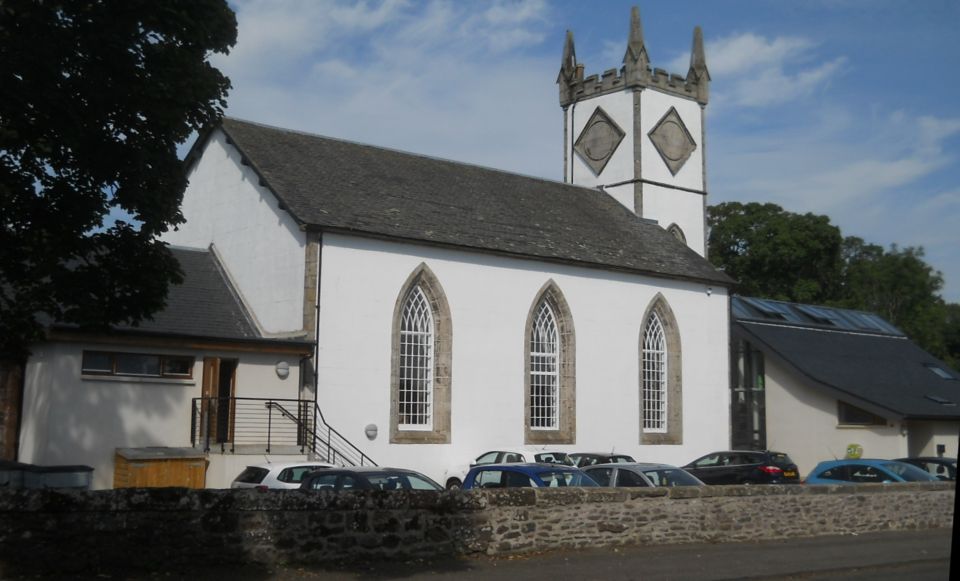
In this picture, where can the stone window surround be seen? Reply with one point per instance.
(674, 433)
(567, 430)
(423, 277)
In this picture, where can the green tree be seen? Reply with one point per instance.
(898, 285)
(774, 253)
(97, 95)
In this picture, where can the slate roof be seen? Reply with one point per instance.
(204, 305)
(336, 185)
(882, 368)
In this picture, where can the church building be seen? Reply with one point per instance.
(409, 311)
(457, 308)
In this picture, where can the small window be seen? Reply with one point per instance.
(137, 364)
(849, 415)
(177, 366)
(97, 362)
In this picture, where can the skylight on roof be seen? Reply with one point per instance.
(820, 315)
(941, 372)
(773, 309)
(940, 400)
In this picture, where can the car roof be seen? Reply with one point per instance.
(528, 467)
(283, 465)
(521, 451)
(599, 454)
(843, 461)
(639, 465)
(370, 469)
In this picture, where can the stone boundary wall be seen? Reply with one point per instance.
(48, 531)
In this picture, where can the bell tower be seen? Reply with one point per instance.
(638, 134)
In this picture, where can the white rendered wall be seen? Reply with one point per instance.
(489, 299)
(653, 106)
(925, 435)
(666, 205)
(619, 106)
(261, 245)
(684, 209)
(802, 421)
(69, 418)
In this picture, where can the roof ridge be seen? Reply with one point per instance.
(424, 156)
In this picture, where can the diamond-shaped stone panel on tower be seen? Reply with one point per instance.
(672, 140)
(598, 140)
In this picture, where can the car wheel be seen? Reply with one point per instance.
(454, 484)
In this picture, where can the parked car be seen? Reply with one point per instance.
(368, 478)
(640, 474)
(867, 470)
(453, 478)
(942, 468)
(581, 459)
(276, 475)
(744, 467)
(525, 475)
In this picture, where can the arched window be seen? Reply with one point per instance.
(654, 373)
(550, 382)
(421, 377)
(544, 370)
(661, 390)
(416, 363)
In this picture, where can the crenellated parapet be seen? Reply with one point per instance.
(635, 72)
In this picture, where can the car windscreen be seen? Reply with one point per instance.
(671, 477)
(909, 472)
(557, 478)
(252, 475)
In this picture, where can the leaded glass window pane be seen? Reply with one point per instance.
(544, 370)
(654, 373)
(416, 363)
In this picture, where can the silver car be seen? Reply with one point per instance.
(641, 474)
(276, 475)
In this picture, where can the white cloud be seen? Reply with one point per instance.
(754, 71)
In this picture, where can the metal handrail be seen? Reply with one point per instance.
(251, 422)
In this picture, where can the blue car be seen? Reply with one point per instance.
(527, 475)
(864, 470)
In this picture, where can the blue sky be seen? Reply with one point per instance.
(840, 107)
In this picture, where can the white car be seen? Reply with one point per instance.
(453, 478)
(276, 475)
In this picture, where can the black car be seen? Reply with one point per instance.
(745, 467)
(942, 468)
(367, 478)
(581, 459)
